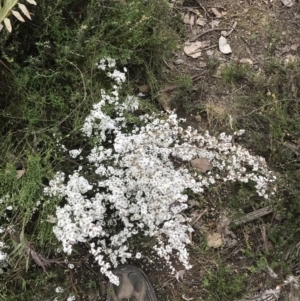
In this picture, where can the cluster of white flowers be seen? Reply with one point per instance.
(4, 261)
(75, 152)
(136, 190)
(59, 290)
(70, 298)
(105, 63)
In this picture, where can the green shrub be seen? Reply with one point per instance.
(48, 83)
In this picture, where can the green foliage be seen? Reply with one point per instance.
(55, 69)
(235, 72)
(8, 7)
(223, 283)
(268, 109)
(48, 83)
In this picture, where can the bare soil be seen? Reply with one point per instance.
(264, 30)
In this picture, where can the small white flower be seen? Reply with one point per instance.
(75, 153)
(59, 290)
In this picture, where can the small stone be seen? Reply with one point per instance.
(209, 52)
(193, 203)
(198, 118)
(246, 61)
(289, 59)
(294, 47)
(179, 62)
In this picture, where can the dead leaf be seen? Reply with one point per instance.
(179, 62)
(20, 173)
(288, 3)
(289, 59)
(179, 275)
(224, 46)
(214, 240)
(192, 20)
(189, 19)
(232, 28)
(186, 298)
(186, 18)
(223, 224)
(195, 11)
(246, 61)
(200, 22)
(193, 203)
(294, 47)
(216, 13)
(194, 49)
(230, 242)
(209, 52)
(272, 273)
(165, 101)
(196, 215)
(1, 26)
(202, 164)
(215, 23)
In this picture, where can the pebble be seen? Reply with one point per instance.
(179, 62)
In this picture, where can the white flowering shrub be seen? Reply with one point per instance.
(128, 186)
(4, 262)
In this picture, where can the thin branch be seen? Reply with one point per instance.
(84, 97)
(253, 215)
(194, 38)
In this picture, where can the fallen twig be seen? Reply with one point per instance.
(205, 32)
(253, 215)
(28, 249)
(199, 216)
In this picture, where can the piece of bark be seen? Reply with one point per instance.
(253, 215)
